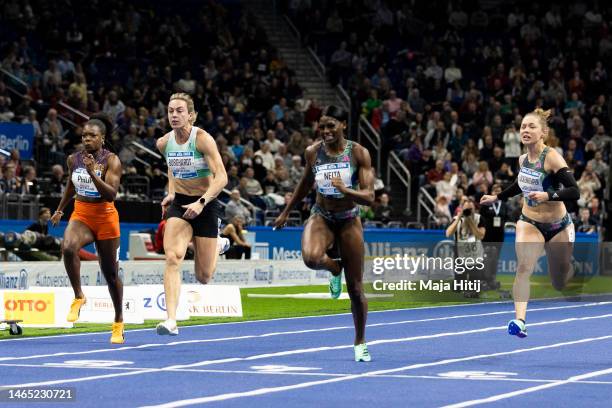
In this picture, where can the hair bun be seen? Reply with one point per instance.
(544, 114)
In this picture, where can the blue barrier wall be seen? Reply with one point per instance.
(286, 243)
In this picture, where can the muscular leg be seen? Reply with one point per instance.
(206, 255)
(107, 253)
(529, 246)
(559, 253)
(316, 238)
(177, 236)
(76, 236)
(351, 247)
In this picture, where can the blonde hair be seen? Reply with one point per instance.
(542, 115)
(193, 115)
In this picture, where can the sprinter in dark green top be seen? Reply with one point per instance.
(337, 166)
(545, 182)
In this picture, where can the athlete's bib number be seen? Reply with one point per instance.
(326, 172)
(83, 183)
(183, 164)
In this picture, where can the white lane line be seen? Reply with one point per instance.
(303, 373)
(271, 390)
(416, 309)
(382, 341)
(506, 395)
(293, 332)
(309, 350)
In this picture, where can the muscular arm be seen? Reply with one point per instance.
(305, 184)
(161, 146)
(206, 144)
(365, 194)
(570, 190)
(70, 190)
(110, 185)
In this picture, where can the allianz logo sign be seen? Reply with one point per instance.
(14, 280)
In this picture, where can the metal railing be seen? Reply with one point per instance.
(15, 206)
(344, 100)
(423, 199)
(14, 81)
(366, 130)
(316, 63)
(396, 166)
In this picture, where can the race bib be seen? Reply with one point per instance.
(326, 172)
(184, 165)
(83, 183)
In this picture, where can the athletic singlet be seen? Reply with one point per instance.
(185, 160)
(327, 167)
(533, 177)
(81, 180)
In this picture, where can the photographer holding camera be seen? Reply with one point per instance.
(468, 230)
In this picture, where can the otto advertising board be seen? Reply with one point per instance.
(38, 307)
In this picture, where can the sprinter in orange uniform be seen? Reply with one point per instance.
(95, 173)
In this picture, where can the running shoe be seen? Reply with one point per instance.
(75, 309)
(361, 353)
(223, 244)
(335, 286)
(117, 336)
(167, 328)
(517, 328)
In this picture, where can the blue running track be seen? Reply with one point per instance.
(446, 356)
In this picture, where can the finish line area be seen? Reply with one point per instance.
(437, 356)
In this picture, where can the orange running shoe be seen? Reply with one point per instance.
(75, 309)
(117, 333)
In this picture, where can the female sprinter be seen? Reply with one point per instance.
(195, 177)
(337, 166)
(94, 177)
(545, 181)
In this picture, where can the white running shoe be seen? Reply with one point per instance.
(223, 244)
(166, 328)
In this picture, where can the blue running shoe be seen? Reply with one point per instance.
(517, 328)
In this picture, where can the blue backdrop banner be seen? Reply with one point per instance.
(17, 136)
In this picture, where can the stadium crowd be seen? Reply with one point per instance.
(445, 83)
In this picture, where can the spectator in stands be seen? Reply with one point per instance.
(384, 212)
(504, 176)
(236, 208)
(266, 155)
(586, 223)
(58, 180)
(235, 232)
(42, 224)
(29, 184)
(436, 174)
(600, 167)
(470, 166)
(297, 144)
(113, 106)
(445, 187)
(482, 175)
(589, 185)
(253, 187)
(53, 137)
(272, 141)
(11, 182)
(233, 180)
